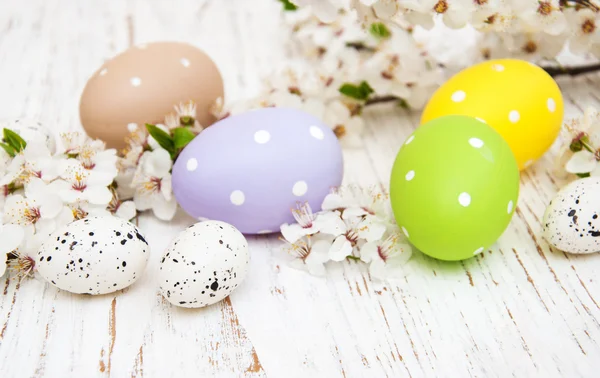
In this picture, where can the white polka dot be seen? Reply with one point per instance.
(510, 207)
(464, 199)
(264, 232)
(459, 96)
(185, 62)
(316, 132)
(410, 175)
(481, 120)
(300, 188)
(237, 197)
(132, 127)
(136, 81)
(410, 139)
(478, 251)
(498, 67)
(103, 72)
(192, 164)
(476, 142)
(514, 116)
(405, 232)
(262, 136)
(551, 105)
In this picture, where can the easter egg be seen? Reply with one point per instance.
(143, 84)
(31, 130)
(204, 264)
(249, 170)
(96, 255)
(571, 221)
(518, 99)
(454, 187)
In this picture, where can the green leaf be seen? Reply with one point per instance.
(288, 5)
(403, 104)
(583, 175)
(14, 140)
(162, 138)
(182, 136)
(358, 92)
(9, 150)
(380, 31)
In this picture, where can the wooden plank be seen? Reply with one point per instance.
(519, 308)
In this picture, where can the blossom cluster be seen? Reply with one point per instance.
(356, 224)
(43, 189)
(531, 29)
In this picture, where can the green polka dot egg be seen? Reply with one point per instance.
(454, 187)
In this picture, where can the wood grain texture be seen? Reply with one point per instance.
(519, 309)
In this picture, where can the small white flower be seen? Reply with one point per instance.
(37, 209)
(585, 131)
(542, 15)
(34, 161)
(152, 182)
(310, 253)
(11, 237)
(186, 116)
(73, 142)
(325, 10)
(121, 209)
(583, 29)
(310, 224)
(386, 257)
(96, 159)
(80, 184)
(534, 46)
(80, 210)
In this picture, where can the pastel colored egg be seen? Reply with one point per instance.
(454, 187)
(31, 131)
(571, 221)
(96, 255)
(143, 84)
(249, 170)
(518, 99)
(203, 265)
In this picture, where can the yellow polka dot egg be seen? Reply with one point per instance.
(517, 98)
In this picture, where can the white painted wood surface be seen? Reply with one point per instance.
(519, 309)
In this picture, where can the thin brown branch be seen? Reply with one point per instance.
(381, 100)
(555, 71)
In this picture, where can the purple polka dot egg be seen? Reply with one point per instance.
(251, 169)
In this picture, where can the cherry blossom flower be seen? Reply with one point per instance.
(34, 161)
(326, 10)
(80, 184)
(386, 257)
(152, 182)
(121, 209)
(37, 209)
(310, 253)
(309, 223)
(583, 29)
(541, 15)
(11, 237)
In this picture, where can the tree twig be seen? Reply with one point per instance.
(572, 71)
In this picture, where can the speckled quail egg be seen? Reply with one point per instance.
(571, 221)
(204, 264)
(96, 255)
(30, 130)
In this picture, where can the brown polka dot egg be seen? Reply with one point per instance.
(143, 84)
(96, 255)
(571, 222)
(204, 264)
